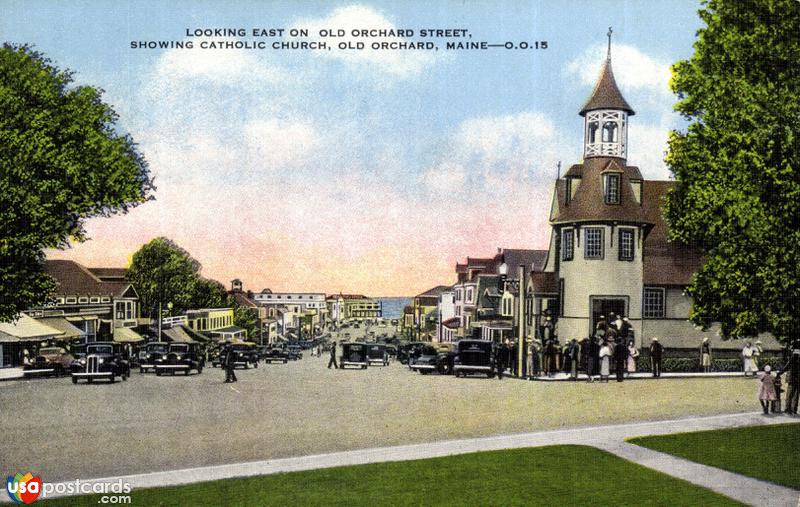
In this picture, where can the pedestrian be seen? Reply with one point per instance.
(620, 358)
(584, 363)
(766, 392)
(574, 352)
(612, 321)
(792, 366)
(749, 362)
(514, 358)
(655, 357)
(705, 355)
(776, 405)
(498, 361)
(230, 365)
(550, 359)
(332, 360)
(758, 350)
(531, 359)
(592, 358)
(633, 353)
(605, 361)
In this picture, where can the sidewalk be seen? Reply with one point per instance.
(610, 438)
(560, 377)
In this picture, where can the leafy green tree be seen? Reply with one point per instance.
(245, 318)
(738, 187)
(162, 272)
(62, 161)
(208, 293)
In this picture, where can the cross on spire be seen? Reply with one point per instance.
(610, 31)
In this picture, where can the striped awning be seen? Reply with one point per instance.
(26, 328)
(177, 335)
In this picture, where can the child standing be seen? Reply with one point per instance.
(766, 392)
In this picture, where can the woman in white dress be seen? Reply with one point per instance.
(605, 361)
(633, 353)
(749, 363)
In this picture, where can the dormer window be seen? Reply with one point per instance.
(611, 188)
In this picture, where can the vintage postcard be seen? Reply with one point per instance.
(526, 252)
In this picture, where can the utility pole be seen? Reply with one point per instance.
(521, 345)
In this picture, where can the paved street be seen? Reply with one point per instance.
(149, 423)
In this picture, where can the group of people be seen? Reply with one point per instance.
(610, 349)
(771, 387)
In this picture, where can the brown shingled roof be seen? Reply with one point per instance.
(74, 279)
(588, 203)
(665, 262)
(109, 274)
(544, 282)
(606, 94)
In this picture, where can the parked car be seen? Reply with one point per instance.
(353, 354)
(434, 358)
(474, 356)
(51, 361)
(150, 353)
(376, 354)
(101, 360)
(247, 354)
(409, 350)
(276, 354)
(183, 357)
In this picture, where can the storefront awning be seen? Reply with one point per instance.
(27, 329)
(127, 335)
(177, 334)
(70, 332)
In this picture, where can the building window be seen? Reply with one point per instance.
(611, 190)
(567, 245)
(458, 295)
(626, 244)
(72, 300)
(83, 300)
(568, 191)
(94, 299)
(105, 299)
(593, 243)
(653, 303)
(468, 297)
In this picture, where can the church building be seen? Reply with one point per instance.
(609, 251)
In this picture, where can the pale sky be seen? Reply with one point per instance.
(371, 171)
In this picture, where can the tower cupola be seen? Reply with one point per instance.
(606, 116)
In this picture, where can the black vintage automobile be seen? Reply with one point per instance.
(354, 354)
(183, 357)
(408, 351)
(104, 360)
(246, 355)
(276, 354)
(434, 358)
(150, 353)
(474, 356)
(377, 354)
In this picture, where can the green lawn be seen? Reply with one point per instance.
(557, 475)
(771, 453)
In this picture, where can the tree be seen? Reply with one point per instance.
(737, 193)
(62, 161)
(246, 318)
(162, 272)
(208, 294)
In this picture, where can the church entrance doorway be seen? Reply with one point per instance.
(606, 305)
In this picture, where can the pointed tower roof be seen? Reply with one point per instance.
(606, 94)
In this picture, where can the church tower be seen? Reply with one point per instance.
(599, 220)
(606, 116)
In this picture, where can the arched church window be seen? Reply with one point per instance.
(610, 132)
(592, 132)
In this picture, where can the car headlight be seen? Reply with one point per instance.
(82, 361)
(101, 361)
(178, 358)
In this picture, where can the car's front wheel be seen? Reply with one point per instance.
(74, 380)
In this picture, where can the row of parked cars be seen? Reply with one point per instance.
(111, 361)
(463, 358)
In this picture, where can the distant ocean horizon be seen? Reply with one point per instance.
(393, 307)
